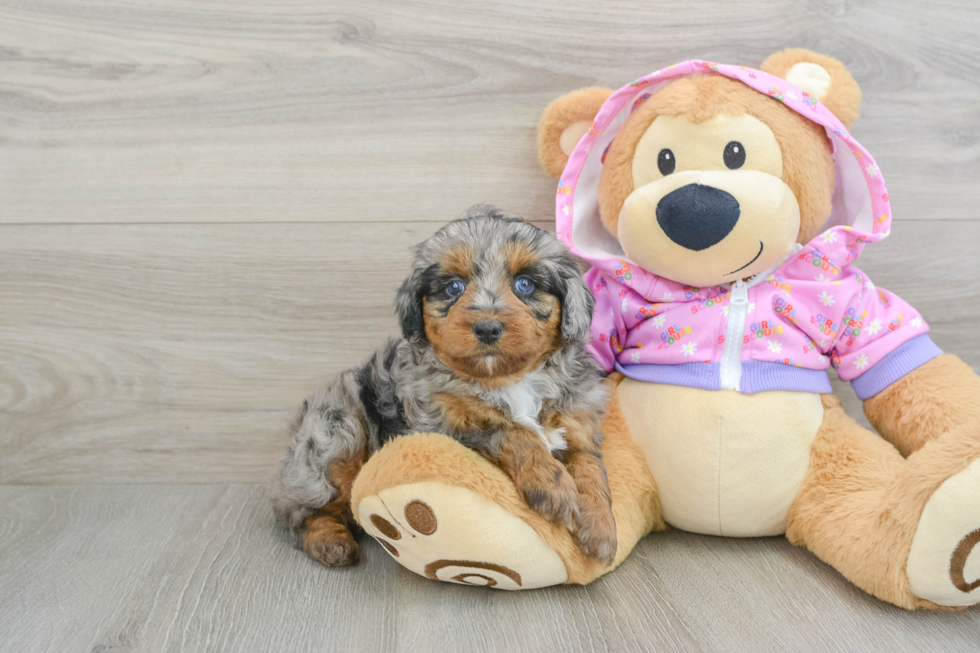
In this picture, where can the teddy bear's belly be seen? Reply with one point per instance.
(725, 463)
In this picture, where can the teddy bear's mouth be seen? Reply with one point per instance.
(756, 258)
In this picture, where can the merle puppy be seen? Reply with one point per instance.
(495, 319)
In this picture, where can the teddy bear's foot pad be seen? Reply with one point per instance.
(944, 560)
(452, 534)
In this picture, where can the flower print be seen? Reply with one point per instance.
(830, 237)
(635, 357)
(874, 327)
(791, 95)
(667, 297)
(566, 210)
(625, 306)
(917, 323)
(725, 312)
(826, 299)
(774, 346)
(820, 277)
(870, 285)
(823, 343)
(658, 321)
(861, 362)
(751, 307)
(689, 348)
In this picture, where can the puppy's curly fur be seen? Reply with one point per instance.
(495, 319)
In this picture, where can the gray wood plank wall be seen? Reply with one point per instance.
(205, 208)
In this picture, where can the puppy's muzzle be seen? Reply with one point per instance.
(697, 217)
(488, 332)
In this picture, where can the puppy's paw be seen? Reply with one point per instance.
(332, 547)
(595, 531)
(552, 494)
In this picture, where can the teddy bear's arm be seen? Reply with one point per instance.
(933, 399)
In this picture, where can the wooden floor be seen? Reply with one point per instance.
(202, 568)
(205, 208)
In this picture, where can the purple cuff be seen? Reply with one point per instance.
(912, 354)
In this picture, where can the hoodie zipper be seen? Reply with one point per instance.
(731, 353)
(738, 311)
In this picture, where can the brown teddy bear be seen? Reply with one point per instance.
(722, 209)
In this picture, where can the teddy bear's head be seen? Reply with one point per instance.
(708, 180)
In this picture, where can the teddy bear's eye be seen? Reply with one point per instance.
(666, 162)
(734, 155)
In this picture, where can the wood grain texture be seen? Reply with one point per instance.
(202, 568)
(186, 111)
(176, 353)
(205, 209)
(153, 353)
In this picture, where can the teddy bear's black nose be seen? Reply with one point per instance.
(697, 217)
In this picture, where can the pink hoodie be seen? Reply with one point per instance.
(779, 330)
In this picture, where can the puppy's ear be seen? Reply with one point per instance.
(408, 302)
(823, 77)
(577, 303)
(563, 123)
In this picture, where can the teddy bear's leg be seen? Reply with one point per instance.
(930, 401)
(445, 512)
(904, 530)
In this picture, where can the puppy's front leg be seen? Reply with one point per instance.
(543, 481)
(595, 528)
(327, 533)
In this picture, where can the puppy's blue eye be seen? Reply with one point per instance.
(523, 285)
(455, 288)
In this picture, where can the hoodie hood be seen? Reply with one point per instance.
(861, 213)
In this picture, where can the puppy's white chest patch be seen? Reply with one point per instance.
(554, 439)
(523, 401)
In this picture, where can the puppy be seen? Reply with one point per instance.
(495, 318)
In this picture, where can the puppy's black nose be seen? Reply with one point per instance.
(697, 217)
(488, 332)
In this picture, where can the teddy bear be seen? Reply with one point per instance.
(722, 210)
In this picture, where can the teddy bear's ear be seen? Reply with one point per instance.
(564, 122)
(821, 76)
